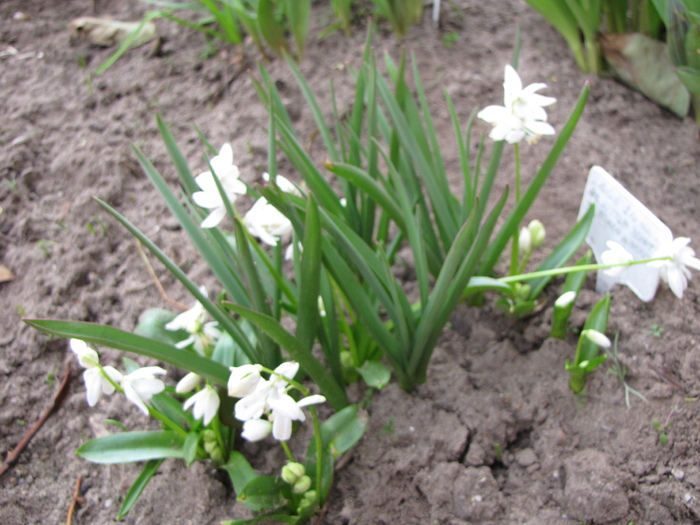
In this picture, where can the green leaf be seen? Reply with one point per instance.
(134, 492)
(120, 340)
(342, 430)
(128, 447)
(152, 325)
(262, 492)
(271, 30)
(239, 470)
(375, 374)
(298, 12)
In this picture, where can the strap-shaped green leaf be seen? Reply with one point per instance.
(129, 447)
(134, 492)
(127, 342)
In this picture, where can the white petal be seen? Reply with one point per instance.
(93, 385)
(243, 380)
(188, 383)
(493, 114)
(253, 405)
(281, 428)
(256, 430)
(287, 370)
(284, 405)
(214, 218)
(311, 400)
(133, 396)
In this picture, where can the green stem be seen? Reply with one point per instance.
(514, 255)
(573, 269)
(287, 452)
(319, 453)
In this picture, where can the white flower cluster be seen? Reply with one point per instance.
(675, 259)
(269, 398)
(138, 386)
(263, 220)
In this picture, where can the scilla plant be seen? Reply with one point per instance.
(242, 371)
(395, 192)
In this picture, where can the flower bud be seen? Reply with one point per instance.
(243, 380)
(292, 471)
(302, 485)
(209, 436)
(307, 501)
(598, 338)
(525, 241)
(537, 233)
(565, 299)
(188, 383)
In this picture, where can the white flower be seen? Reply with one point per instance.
(284, 184)
(615, 254)
(256, 430)
(203, 335)
(522, 114)
(597, 337)
(266, 222)
(284, 410)
(243, 380)
(205, 404)
(188, 383)
(227, 173)
(96, 383)
(94, 376)
(675, 270)
(141, 384)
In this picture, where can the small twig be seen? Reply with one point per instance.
(153, 275)
(55, 403)
(77, 500)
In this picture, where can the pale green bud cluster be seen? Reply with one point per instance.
(212, 446)
(295, 475)
(531, 237)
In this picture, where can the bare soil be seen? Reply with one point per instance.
(494, 436)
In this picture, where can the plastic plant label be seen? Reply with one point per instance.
(620, 217)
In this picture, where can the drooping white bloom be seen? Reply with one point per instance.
(202, 334)
(243, 380)
(141, 384)
(615, 254)
(598, 338)
(522, 114)
(227, 172)
(188, 383)
(266, 222)
(94, 376)
(205, 404)
(675, 270)
(284, 410)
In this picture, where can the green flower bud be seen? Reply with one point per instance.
(302, 485)
(292, 471)
(211, 446)
(307, 501)
(209, 436)
(217, 455)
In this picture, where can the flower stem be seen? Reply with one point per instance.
(514, 255)
(319, 453)
(573, 269)
(287, 452)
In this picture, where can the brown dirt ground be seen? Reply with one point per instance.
(429, 456)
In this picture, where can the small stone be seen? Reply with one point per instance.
(677, 473)
(526, 457)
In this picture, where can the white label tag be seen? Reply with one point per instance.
(620, 217)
